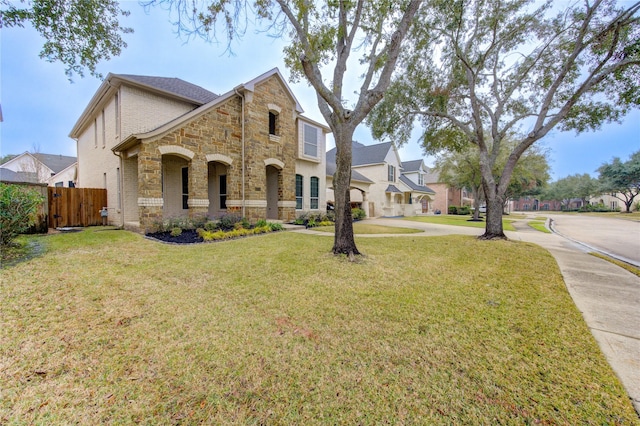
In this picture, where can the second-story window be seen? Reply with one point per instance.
(392, 173)
(273, 123)
(420, 179)
(310, 141)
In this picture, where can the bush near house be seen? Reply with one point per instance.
(18, 209)
(460, 210)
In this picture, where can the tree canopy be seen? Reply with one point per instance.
(621, 179)
(78, 33)
(486, 69)
(323, 36)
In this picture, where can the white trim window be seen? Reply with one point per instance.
(420, 179)
(299, 191)
(315, 190)
(310, 139)
(391, 173)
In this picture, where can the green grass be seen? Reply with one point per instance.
(538, 226)
(457, 220)
(111, 328)
(623, 265)
(360, 228)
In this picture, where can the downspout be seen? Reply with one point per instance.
(243, 166)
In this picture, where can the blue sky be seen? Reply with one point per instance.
(40, 105)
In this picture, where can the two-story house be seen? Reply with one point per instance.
(383, 188)
(50, 169)
(166, 148)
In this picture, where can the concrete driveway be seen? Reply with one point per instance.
(617, 237)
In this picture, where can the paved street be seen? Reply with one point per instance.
(618, 237)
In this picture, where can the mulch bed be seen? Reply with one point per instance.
(189, 236)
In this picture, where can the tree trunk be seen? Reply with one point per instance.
(493, 229)
(344, 242)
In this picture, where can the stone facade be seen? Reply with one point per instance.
(203, 163)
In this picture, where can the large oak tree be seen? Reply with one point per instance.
(324, 37)
(491, 68)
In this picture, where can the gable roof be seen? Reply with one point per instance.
(165, 86)
(415, 187)
(171, 85)
(56, 163)
(364, 154)
(412, 166)
(245, 89)
(355, 176)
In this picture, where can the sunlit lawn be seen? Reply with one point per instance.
(457, 220)
(111, 328)
(360, 228)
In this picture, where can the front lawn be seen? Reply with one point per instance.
(362, 228)
(457, 220)
(112, 328)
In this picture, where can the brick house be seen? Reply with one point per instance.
(166, 148)
(445, 195)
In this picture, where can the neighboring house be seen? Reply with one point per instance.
(166, 148)
(446, 196)
(535, 204)
(51, 169)
(389, 191)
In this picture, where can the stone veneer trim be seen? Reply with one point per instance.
(197, 202)
(177, 150)
(150, 202)
(219, 158)
(274, 162)
(249, 203)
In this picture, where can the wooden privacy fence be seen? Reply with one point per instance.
(75, 206)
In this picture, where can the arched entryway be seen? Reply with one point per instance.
(273, 191)
(175, 186)
(217, 188)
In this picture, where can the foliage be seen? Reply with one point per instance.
(479, 71)
(18, 211)
(176, 232)
(5, 158)
(581, 186)
(322, 38)
(78, 33)
(621, 179)
(228, 222)
(358, 214)
(310, 220)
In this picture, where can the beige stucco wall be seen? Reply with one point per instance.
(308, 167)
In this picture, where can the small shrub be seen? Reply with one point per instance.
(453, 210)
(200, 232)
(261, 223)
(358, 214)
(311, 223)
(211, 225)
(464, 210)
(275, 227)
(326, 223)
(18, 210)
(176, 232)
(228, 222)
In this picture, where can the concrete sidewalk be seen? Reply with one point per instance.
(608, 296)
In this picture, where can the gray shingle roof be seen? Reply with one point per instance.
(411, 166)
(57, 163)
(355, 176)
(414, 186)
(7, 175)
(173, 85)
(364, 154)
(392, 188)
